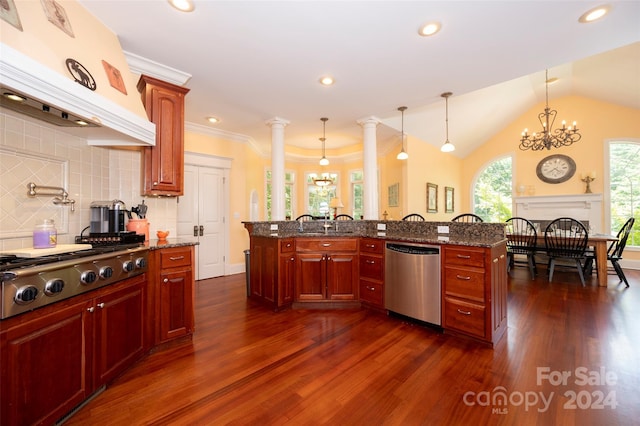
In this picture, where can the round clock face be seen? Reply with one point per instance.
(556, 168)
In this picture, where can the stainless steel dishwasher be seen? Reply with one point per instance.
(412, 281)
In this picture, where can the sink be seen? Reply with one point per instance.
(319, 233)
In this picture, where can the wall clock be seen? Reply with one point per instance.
(556, 168)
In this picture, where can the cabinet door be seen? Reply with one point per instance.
(342, 276)
(119, 329)
(45, 368)
(176, 304)
(263, 273)
(311, 276)
(287, 277)
(163, 164)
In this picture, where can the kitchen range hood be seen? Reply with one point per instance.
(56, 99)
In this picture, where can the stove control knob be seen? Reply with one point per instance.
(26, 294)
(88, 277)
(141, 262)
(53, 287)
(106, 272)
(128, 266)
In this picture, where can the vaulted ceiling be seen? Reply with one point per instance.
(251, 61)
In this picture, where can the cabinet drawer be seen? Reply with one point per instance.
(466, 283)
(326, 244)
(464, 256)
(371, 267)
(371, 292)
(175, 257)
(287, 246)
(466, 317)
(371, 245)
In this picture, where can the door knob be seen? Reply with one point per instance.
(201, 230)
(195, 230)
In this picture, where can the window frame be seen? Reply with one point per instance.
(607, 187)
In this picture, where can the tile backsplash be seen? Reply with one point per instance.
(31, 150)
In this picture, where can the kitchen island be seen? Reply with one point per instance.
(339, 264)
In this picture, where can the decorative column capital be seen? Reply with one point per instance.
(369, 121)
(277, 121)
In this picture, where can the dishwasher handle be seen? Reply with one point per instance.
(402, 248)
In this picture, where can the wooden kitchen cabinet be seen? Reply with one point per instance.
(54, 360)
(272, 271)
(372, 272)
(173, 285)
(163, 164)
(326, 269)
(474, 291)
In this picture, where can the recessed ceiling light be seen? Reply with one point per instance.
(14, 97)
(183, 5)
(594, 14)
(327, 80)
(213, 120)
(429, 29)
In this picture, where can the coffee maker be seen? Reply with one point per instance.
(107, 217)
(108, 224)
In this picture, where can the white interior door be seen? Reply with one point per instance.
(201, 215)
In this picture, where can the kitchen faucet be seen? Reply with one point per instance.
(326, 224)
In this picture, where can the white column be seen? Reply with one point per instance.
(277, 167)
(370, 168)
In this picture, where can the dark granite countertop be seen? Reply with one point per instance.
(170, 243)
(468, 240)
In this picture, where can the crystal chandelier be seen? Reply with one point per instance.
(549, 138)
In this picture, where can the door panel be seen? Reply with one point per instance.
(202, 207)
(211, 218)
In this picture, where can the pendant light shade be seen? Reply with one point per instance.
(402, 155)
(447, 146)
(323, 161)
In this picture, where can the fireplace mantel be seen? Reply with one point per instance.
(584, 207)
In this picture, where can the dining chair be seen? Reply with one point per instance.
(343, 217)
(467, 217)
(414, 217)
(614, 253)
(521, 239)
(566, 238)
(305, 217)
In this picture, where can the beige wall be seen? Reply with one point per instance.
(598, 123)
(244, 175)
(91, 44)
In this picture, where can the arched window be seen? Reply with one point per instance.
(492, 191)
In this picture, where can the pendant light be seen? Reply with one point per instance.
(402, 155)
(447, 146)
(323, 161)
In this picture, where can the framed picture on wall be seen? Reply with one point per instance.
(432, 198)
(448, 199)
(394, 191)
(9, 13)
(57, 16)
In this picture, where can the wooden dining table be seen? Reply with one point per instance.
(600, 243)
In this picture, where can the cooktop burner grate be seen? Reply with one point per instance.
(12, 262)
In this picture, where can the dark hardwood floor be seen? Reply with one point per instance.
(247, 365)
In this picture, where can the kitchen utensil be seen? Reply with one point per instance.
(142, 210)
